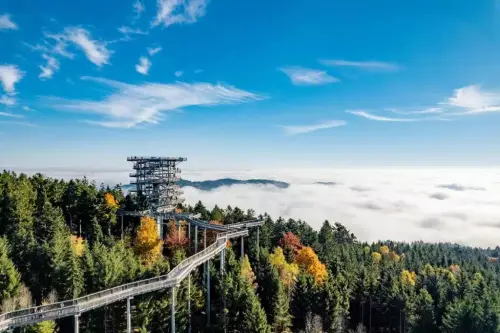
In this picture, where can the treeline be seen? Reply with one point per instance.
(64, 239)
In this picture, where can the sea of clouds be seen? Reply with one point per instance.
(407, 204)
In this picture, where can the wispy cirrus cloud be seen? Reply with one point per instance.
(302, 129)
(139, 8)
(10, 115)
(48, 70)
(58, 45)
(154, 50)
(132, 31)
(130, 105)
(6, 23)
(364, 65)
(433, 110)
(95, 51)
(7, 100)
(178, 73)
(307, 76)
(371, 116)
(143, 66)
(171, 12)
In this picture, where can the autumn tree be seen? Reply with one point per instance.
(176, 236)
(291, 245)
(147, 243)
(309, 261)
(288, 271)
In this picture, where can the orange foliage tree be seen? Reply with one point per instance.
(309, 261)
(291, 245)
(288, 272)
(176, 236)
(110, 200)
(147, 243)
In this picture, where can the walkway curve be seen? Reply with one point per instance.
(76, 306)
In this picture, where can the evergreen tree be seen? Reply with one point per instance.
(10, 279)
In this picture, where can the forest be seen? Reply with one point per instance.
(63, 239)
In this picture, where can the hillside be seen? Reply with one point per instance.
(209, 185)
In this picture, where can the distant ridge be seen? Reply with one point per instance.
(208, 185)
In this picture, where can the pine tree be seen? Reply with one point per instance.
(282, 318)
(10, 279)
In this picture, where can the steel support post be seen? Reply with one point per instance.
(189, 302)
(76, 323)
(189, 236)
(172, 314)
(242, 246)
(204, 247)
(258, 247)
(208, 293)
(222, 255)
(195, 239)
(179, 231)
(129, 315)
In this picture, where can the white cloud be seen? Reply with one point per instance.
(6, 23)
(366, 65)
(27, 108)
(11, 115)
(9, 76)
(143, 65)
(475, 100)
(380, 118)
(301, 129)
(129, 105)
(131, 31)
(307, 76)
(179, 11)
(7, 100)
(432, 110)
(48, 70)
(96, 51)
(178, 73)
(154, 50)
(138, 9)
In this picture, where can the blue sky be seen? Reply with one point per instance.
(234, 84)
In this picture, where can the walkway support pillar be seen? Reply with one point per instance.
(208, 293)
(242, 246)
(195, 239)
(258, 247)
(172, 315)
(204, 247)
(189, 302)
(222, 255)
(76, 323)
(129, 316)
(189, 236)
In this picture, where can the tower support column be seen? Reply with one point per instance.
(195, 239)
(242, 246)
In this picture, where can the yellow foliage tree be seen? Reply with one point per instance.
(247, 272)
(376, 257)
(78, 245)
(147, 244)
(394, 256)
(110, 200)
(408, 278)
(288, 272)
(309, 261)
(384, 249)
